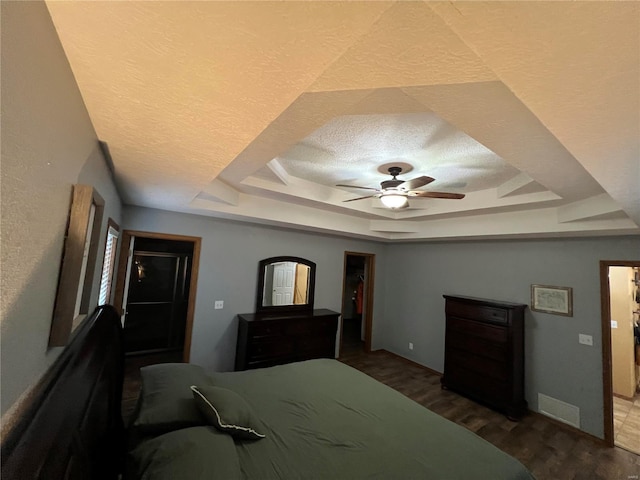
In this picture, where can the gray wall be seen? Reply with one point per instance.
(229, 272)
(556, 364)
(48, 144)
(410, 281)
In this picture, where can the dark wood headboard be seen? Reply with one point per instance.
(72, 428)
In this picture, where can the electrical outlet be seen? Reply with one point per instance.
(585, 339)
(410, 346)
(219, 304)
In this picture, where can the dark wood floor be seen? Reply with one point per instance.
(132, 381)
(550, 451)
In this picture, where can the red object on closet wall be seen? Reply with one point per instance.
(359, 295)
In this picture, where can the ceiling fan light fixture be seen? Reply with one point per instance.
(393, 193)
(394, 200)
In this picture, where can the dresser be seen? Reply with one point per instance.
(265, 340)
(484, 352)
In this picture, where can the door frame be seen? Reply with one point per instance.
(122, 272)
(605, 313)
(369, 271)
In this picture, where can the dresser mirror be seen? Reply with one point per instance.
(285, 284)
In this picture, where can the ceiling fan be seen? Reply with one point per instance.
(395, 193)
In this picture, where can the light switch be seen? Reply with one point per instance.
(614, 324)
(585, 339)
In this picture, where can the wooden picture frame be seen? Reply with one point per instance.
(78, 264)
(552, 299)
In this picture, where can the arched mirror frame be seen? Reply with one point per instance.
(265, 309)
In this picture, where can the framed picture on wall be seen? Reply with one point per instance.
(551, 299)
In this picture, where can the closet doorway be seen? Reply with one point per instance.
(357, 303)
(155, 292)
(620, 302)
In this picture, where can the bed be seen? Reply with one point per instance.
(317, 419)
(70, 426)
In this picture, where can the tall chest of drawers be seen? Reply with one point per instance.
(266, 340)
(484, 352)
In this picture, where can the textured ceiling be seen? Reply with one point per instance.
(351, 149)
(255, 111)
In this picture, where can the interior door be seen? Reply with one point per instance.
(156, 302)
(284, 274)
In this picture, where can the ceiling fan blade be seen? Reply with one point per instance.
(452, 196)
(359, 198)
(355, 186)
(416, 182)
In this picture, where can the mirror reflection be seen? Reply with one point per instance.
(286, 283)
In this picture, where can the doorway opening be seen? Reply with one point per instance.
(620, 304)
(155, 292)
(357, 303)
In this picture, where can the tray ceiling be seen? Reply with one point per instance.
(254, 111)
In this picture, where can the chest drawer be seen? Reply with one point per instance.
(480, 365)
(477, 346)
(486, 389)
(486, 313)
(468, 328)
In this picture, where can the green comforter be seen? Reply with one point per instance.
(325, 420)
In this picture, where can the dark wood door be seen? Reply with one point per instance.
(157, 301)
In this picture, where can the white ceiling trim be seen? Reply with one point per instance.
(589, 208)
(220, 191)
(515, 185)
(529, 224)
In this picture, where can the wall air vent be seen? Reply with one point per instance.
(559, 410)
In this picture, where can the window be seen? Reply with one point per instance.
(108, 263)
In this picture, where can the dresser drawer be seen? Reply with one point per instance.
(264, 363)
(316, 344)
(265, 328)
(489, 314)
(311, 327)
(460, 326)
(278, 346)
(299, 327)
(325, 326)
